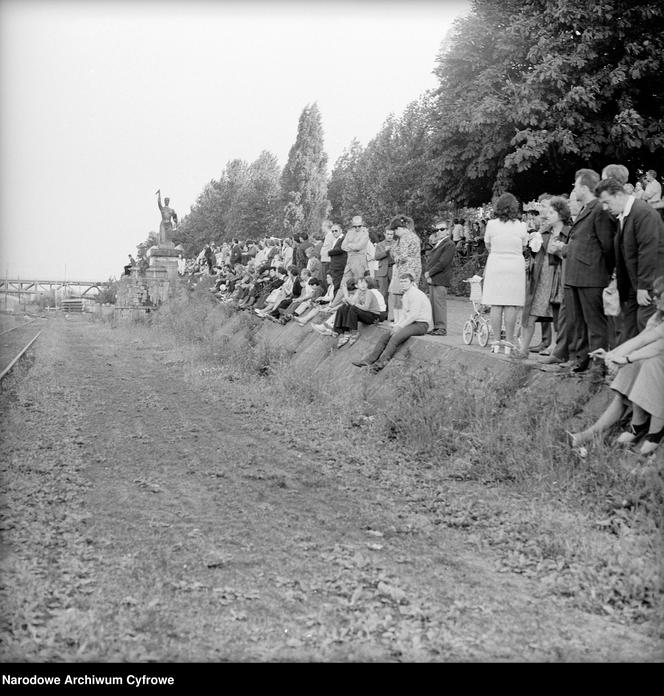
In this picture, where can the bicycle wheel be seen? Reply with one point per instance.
(468, 331)
(483, 334)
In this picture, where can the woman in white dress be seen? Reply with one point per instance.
(505, 273)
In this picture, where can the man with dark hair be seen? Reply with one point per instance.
(639, 251)
(589, 265)
(236, 252)
(619, 172)
(416, 320)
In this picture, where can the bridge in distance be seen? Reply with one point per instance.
(26, 287)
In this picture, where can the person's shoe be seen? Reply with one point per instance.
(633, 432)
(581, 366)
(551, 360)
(378, 366)
(323, 330)
(537, 348)
(579, 450)
(361, 363)
(651, 443)
(353, 338)
(343, 339)
(438, 332)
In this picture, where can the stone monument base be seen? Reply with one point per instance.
(163, 262)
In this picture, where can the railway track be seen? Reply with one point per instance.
(14, 344)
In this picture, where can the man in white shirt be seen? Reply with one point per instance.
(416, 320)
(330, 238)
(653, 191)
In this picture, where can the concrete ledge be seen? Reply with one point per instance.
(318, 354)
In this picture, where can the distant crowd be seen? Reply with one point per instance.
(587, 266)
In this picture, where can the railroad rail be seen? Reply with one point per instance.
(20, 326)
(21, 353)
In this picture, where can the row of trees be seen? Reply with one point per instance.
(529, 91)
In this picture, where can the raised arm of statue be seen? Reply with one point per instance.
(159, 205)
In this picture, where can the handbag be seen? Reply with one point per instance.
(611, 299)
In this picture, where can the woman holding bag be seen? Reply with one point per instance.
(545, 287)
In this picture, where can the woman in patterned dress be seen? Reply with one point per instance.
(407, 259)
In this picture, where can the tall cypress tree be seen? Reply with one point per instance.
(305, 172)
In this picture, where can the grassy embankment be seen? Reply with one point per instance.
(590, 531)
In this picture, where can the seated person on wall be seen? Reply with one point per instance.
(129, 266)
(283, 296)
(363, 306)
(310, 292)
(639, 382)
(372, 284)
(415, 320)
(272, 282)
(314, 266)
(242, 295)
(320, 304)
(273, 296)
(323, 323)
(290, 291)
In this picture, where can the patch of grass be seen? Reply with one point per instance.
(591, 531)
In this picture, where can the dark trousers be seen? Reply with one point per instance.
(438, 299)
(324, 270)
(387, 345)
(586, 321)
(347, 317)
(633, 317)
(337, 275)
(383, 284)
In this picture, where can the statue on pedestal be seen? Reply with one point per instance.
(169, 219)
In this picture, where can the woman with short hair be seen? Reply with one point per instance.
(544, 293)
(505, 273)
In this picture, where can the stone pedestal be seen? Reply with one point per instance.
(163, 261)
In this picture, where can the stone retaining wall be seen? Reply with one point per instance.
(318, 354)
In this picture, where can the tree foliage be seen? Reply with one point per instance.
(391, 174)
(244, 202)
(531, 90)
(305, 172)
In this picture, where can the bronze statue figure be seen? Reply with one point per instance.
(167, 215)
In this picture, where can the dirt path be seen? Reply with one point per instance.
(144, 521)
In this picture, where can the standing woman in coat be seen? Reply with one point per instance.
(407, 259)
(505, 273)
(545, 288)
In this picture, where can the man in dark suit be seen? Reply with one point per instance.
(639, 250)
(589, 265)
(385, 262)
(438, 275)
(338, 258)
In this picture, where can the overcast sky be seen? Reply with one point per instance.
(102, 103)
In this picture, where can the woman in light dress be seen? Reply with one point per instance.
(639, 382)
(505, 273)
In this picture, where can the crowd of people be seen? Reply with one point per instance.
(586, 265)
